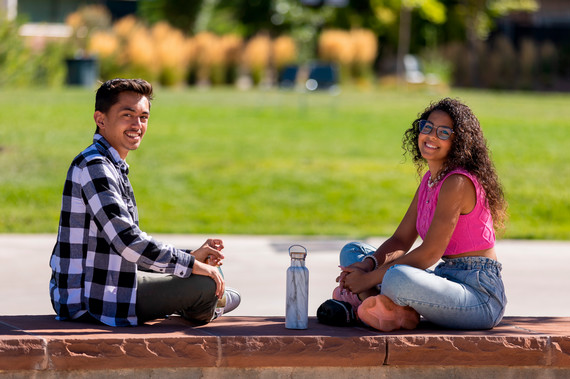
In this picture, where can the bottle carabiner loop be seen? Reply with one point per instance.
(297, 254)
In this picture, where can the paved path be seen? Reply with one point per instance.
(536, 273)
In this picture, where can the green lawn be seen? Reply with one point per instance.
(223, 161)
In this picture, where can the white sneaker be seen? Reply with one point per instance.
(228, 302)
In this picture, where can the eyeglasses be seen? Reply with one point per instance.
(442, 132)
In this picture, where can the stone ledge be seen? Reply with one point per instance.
(41, 343)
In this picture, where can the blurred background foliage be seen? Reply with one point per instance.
(250, 42)
(22, 66)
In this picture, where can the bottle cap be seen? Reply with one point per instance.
(297, 252)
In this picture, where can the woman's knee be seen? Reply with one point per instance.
(398, 280)
(351, 248)
(354, 252)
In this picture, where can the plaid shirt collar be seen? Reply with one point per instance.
(110, 152)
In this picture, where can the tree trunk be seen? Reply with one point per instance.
(403, 41)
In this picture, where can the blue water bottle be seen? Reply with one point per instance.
(297, 311)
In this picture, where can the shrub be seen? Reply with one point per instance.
(334, 46)
(353, 51)
(548, 66)
(141, 55)
(215, 58)
(21, 66)
(256, 56)
(225, 70)
(508, 63)
(14, 56)
(125, 27)
(84, 22)
(164, 54)
(528, 64)
(365, 49)
(284, 52)
(205, 54)
(171, 54)
(49, 70)
(105, 45)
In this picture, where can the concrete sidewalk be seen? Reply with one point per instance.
(535, 272)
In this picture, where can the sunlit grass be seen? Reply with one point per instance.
(271, 162)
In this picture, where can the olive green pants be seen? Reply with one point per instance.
(160, 295)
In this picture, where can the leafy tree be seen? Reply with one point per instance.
(478, 16)
(181, 14)
(432, 11)
(467, 20)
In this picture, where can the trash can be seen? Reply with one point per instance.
(82, 71)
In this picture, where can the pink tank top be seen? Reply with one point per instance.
(474, 231)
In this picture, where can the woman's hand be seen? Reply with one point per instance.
(210, 252)
(201, 268)
(364, 266)
(357, 280)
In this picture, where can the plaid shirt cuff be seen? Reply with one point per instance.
(184, 264)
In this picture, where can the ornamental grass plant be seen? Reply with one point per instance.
(335, 46)
(353, 51)
(172, 54)
(365, 51)
(204, 56)
(257, 57)
(284, 52)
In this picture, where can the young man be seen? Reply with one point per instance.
(106, 269)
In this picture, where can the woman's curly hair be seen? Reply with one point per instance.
(468, 151)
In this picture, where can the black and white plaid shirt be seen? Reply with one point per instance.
(99, 243)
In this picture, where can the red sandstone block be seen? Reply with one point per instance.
(145, 352)
(302, 351)
(22, 353)
(468, 351)
(265, 342)
(560, 351)
(552, 326)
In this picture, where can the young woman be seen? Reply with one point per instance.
(455, 211)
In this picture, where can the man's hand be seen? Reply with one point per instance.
(210, 252)
(204, 269)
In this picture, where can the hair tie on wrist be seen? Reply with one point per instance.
(371, 256)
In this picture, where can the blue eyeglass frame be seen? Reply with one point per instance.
(426, 127)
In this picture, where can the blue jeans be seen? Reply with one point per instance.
(355, 252)
(461, 293)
